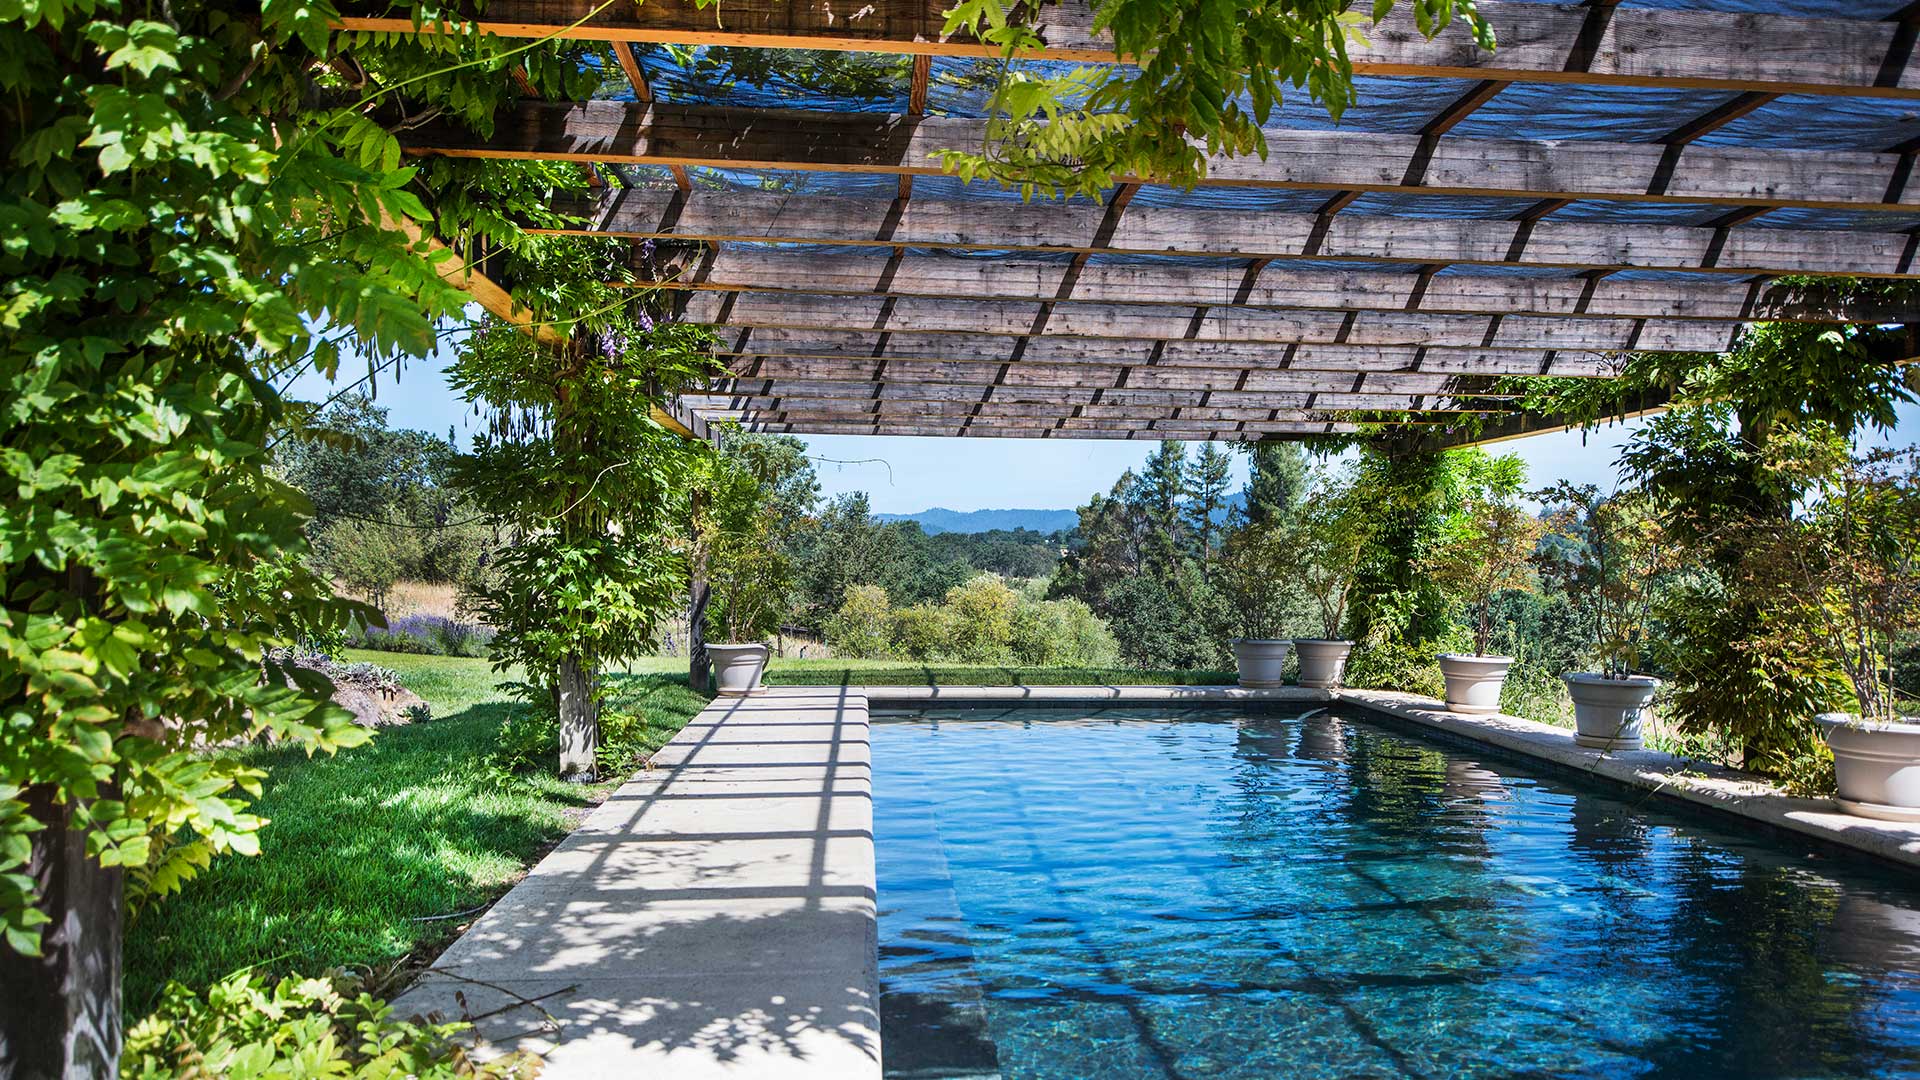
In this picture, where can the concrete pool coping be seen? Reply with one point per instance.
(713, 918)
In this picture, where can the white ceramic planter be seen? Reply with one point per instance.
(1323, 662)
(1876, 765)
(1260, 660)
(1607, 713)
(737, 668)
(1474, 682)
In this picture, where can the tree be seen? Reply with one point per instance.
(1256, 571)
(1327, 539)
(1208, 479)
(735, 520)
(348, 462)
(1489, 548)
(981, 612)
(863, 626)
(1612, 570)
(779, 463)
(1161, 495)
(845, 546)
(1845, 571)
(580, 473)
(184, 213)
(1276, 478)
(1413, 500)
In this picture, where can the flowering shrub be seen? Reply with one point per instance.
(434, 635)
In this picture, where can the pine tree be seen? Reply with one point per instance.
(1277, 478)
(1207, 497)
(1161, 493)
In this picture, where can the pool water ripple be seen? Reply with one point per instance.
(1184, 893)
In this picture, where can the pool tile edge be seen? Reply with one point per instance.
(1722, 790)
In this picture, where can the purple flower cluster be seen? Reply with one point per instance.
(435, 635)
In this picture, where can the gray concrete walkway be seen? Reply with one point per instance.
(714, 918)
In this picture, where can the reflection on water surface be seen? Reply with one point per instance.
(1187, 893)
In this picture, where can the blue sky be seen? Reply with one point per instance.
(905, 475)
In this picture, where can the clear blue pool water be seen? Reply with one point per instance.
(1187, 893)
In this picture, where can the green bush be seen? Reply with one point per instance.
(245, 1028)
(1536, 693)
(529, 738)
(856, 674)
(1396, 665)
(1061, 633)
(863, 626)
(922, 632)
(980, 617)
(983, 620)
(1734, 673)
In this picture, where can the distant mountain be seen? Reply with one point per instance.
(939, 520)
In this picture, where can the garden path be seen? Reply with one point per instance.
(714, 918)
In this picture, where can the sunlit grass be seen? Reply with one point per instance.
(363, 847)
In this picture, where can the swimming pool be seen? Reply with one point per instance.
(1206, 892)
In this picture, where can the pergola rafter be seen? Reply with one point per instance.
(804, 140)
(933, 322)
(1392, 271)
(772, 217)
(771, 270)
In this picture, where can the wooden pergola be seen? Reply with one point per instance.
(1402, 264)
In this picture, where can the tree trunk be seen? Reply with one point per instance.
(698, 674)
(61, 1017)
(579, 720)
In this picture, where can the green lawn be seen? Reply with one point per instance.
(363, 846)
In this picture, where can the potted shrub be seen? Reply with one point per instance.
(1253, 560)
(1488, 550)
(748, 576)
(1609, 553)
(1851, 561)
(1330, 534)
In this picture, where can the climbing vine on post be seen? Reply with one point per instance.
(584, 477)
(200, 202)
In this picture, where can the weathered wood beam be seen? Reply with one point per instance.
(744, 407)
(924, 320)
(1537, 42)
(1068, 428)
(661, 134)
(752, 216)
(1185, 393)
(643, 92)
(1521, 425)
(767, 270)
(1130, 376)
(1180, 353)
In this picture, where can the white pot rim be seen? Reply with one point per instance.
(1322, 641)
(1596, 678)
(1261, 641)
(1476, 658)
(1906, 725)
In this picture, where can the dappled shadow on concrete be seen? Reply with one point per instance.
(714, 917)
